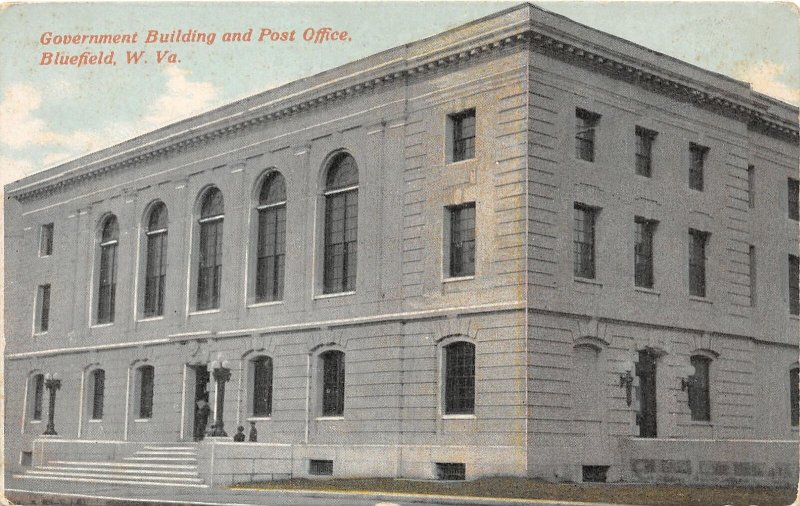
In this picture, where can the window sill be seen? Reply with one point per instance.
(95, 420)
(699, 423)
(39, 334)
(451, 163)
(259, 419)
(101, 325)
(204, 311)
(150, 319)
(142, 420)
(587, 281)
(704, 300)
(794, 317)
(35, 421)
(329, 418)
(457, 279)
(334, 295)
(263, 304)
(649, 291)
(459, 417)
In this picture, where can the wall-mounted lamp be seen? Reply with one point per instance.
(686, 373)
(626, 380)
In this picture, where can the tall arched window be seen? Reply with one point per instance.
(794, 395)
(271, 239)
(98, 385)
(459, 378)
(699, 389)
(262, 386)
(106, 292)
(209, 276)
(332, 365)
(37, 389)
(156, 267)
(341, 225)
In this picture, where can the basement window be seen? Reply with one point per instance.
(595, 474)
(450, 471)
(26, 459)
(320, 467)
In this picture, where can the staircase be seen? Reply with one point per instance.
(161, 465)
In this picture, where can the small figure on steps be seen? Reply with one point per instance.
(239, 437)
(253, 433)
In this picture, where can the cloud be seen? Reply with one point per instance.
(181, 98)
(765, 77)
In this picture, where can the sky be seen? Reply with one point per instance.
(53, 113)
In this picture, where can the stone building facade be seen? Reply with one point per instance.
(520, 247)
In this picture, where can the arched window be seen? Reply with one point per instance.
(156, 267)
(108, 270)
(37, 390)
(794, 395)
(209, 277)
(262, 386)
(144, 384)
(459, 378)
(332, 363)
(98, 386)
(699, 386)
(271, 239)
(341, 225)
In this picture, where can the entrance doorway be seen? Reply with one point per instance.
(646, 371)
(202, 408)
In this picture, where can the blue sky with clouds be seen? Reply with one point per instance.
(53, 113)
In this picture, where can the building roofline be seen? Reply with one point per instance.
(543, 30)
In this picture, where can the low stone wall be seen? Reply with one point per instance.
(225, 462)
(710, 462)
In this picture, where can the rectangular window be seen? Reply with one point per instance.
(794, 196)
(98, 393)
(794, 284)
(271, 253)
(699, 395)
(459, 379)
(643, 252)
(341, 241)
(46, 240)
(751, 186)
(43, 308)
(751, 260)
(585, 124)
(697, 262)
(462, 240)
(463, 125)
(644, 150)
(449, 471)
(584, 241)
(320, 467)
(146, 392)
(794, 395)
(262, 386)
(332, 383)
(698, 159)
(38, 396)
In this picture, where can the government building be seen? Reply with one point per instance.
(520, 247)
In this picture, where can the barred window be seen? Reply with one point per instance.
(106, 292)
(585, 124)
(751, 186)
(270, 256)
(43, 308)
(98, 393)
(644, 150)
(209, 276)
(698, 157)
(463, 125)
(146, 376)
(794, 395)
(262, 386)
(794, 284)
(699, 396)
(341, 225)
(332, 383)
(46, 240)
(793, 187)
(37, 382)
(459, 378)
(156, 266)
(697, 262)
(643, 252)
(462, 240)
(584, 241)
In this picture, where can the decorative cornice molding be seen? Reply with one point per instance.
(637, 72)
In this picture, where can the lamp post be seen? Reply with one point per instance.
(686, 373)
(52, 383)
(626, 380)
(222, 373)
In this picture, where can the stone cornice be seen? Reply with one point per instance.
(749, 109)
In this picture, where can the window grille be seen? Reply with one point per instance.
(146, 391)
(585, 124)
(459, 390)
(320, 467)
(644, 151)
(751, 259)
(794, 395)
(699, 396)
(450, 471)
(271, 249)
(38, 396)
(697, 262)
(462, 240)
(341, 225)
(43, 316)
(751, 186)
(332, 383)
(793, 187)
(156, 267)
(643, 253)
(794, 284)
(463, 135)
(98, 393)
(262, 386)
(209, 278)
(108, 271)
(46, 240)
(584, 241)
(696, 167)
